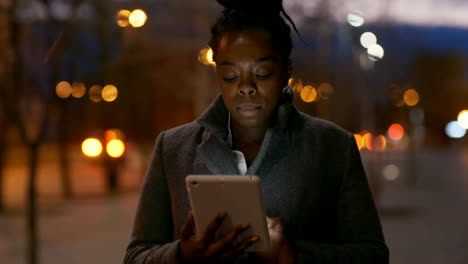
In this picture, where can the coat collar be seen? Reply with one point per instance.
(216, 151)
(215, 118)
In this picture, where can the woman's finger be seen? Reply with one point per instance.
(227, 243)
(187, 229)
(210, 231)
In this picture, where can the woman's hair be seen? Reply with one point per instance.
(241, 15)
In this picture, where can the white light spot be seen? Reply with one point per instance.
(391, 172)
(355, 19)
(375, 52)
(454, 130)
(368, 39)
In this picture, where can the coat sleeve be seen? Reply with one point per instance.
(359, 233)
(152, 235)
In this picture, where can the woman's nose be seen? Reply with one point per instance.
(247, 88)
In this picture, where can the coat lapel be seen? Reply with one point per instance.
(217, 155)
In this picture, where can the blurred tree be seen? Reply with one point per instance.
(440, 79)
(27, 100)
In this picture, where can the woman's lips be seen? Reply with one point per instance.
(249, 110)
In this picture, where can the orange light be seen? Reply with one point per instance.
(396, 132)
(380, 143)
(411, 97)
(368, 140)
(308, 94)
(91, 147)
(359, 141)
(63, 89)
(115, 148)
(122, 18)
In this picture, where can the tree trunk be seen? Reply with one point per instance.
(31, 212)
(3, 148)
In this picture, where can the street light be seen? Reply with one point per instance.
(137, 18)
(115, 150)
(91, 147)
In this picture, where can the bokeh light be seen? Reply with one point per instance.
(325, 90)
(454, 130)
(391, 172)
(109, 93)
(396, 132)
(411, 97)
(308, 94)
(115, 148)
(95, 93)
(137, 18)
(122, 18)
(355, 19)
(368, 39)
(375, 52)
(359, 141)
(295, 84)
(463, 119)
(78, 89)
(380, 143)
(368, 140)
(205, 56)
(63, 89)
(91, 147)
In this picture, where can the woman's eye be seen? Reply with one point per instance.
(229, 79)
(263, 76)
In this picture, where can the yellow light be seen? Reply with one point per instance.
(295, 84)
(359, 141)
(95, 93)
(205, 56)
(78, 89)
(368, 140)
(115, 148)
(122, 18)
(137, 18)
(411, 97)
(308, 94)
(91, 147)
(63, 89)
(109, 93)
(463, 119)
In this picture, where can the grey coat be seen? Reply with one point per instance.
(311, 175)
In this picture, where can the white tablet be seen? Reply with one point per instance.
(239, 196)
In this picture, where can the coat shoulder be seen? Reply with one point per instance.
(182, 135)
(322, 127)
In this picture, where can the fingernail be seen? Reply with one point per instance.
(255, 238)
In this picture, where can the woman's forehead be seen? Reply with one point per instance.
(251, 42)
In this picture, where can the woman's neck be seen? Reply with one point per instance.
(242, 137)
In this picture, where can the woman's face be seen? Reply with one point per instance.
(251, 75)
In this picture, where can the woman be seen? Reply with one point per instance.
(315, 189)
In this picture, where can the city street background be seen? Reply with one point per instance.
(423, 216)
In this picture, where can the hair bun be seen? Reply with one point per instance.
(269, 6)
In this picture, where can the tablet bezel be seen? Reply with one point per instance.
(240, 196)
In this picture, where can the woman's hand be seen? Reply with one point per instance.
(281, 251)
(204, 248)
